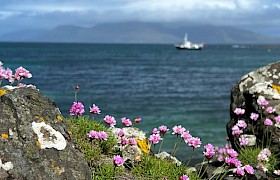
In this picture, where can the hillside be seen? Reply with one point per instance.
(149, 33)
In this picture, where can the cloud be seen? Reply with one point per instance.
(51, 13)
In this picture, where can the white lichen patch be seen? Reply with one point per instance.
(48, 137)
(6, 166)
(266, 89)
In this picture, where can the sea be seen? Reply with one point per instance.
(160, 84)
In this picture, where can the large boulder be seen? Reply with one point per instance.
(257, 85)
(36, 142)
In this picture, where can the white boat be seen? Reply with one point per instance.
(189, 45)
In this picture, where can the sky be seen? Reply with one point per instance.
(258, 15)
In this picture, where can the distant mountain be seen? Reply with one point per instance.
(140, 32)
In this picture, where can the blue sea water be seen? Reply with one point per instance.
(158, 83)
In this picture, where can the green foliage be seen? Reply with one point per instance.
(249, 155)
(154, 168)
(107, 171)
(80, 127)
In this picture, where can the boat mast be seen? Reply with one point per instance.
(186, 37)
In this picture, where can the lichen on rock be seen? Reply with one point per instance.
(23, 111)
(49, 138)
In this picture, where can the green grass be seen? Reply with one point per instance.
(99, 156)
(249, 156)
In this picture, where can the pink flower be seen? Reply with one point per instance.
(120, 133)
(93, 134)
(22, 73)
(277, 119)
(268, 122)
(232, 153)
(249, 169)
(184, 177)
(94, 109)
(266, 151)
(254, 116)
(178, 130)
(236, 131)
(235, 162)
(118, 160)
(163, 129)
(155, 131)
(194, 142)
(155, 138)
(126, 121)
(243, 141)
(8, 74)
(240, 171)
(132, 142)
(102, 135)
(209, 151)
(220, 158)
(270, 110)
(77, 109)
(186, 136)
(110, 120)
(239, 111)
(262, 101)
(137, 120)
(241, 124)
(124, 141)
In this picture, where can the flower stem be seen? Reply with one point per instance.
(175, 145)
(161, 144)
(190, 157)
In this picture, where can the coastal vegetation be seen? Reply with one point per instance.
(116, 150)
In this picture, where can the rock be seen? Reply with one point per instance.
(165, 155)
(130, 152)
(262, 83)
(36, 142)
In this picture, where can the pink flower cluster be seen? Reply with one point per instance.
(126, 122)
(118, 160)
(237, 129)
(98, 135)
(184, 177)
(178, 130)
(77, 109)
(163, 129)
(186, 136)
(262, 101)
(94, 109)
(20, 73)
(239, 111)
(155, 138)
(263, 158)
(229, 155)
(110, 120)
(243, 141)
(209, 151)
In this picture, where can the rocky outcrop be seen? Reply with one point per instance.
(36, 142)
(261, 84)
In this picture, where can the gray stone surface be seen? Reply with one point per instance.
(245, 94)
(32, 157)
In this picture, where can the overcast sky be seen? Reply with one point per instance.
(258, 15)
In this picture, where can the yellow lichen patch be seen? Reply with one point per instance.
(70, 133)
(277, 88)
(58, 119)
(40, 118)
(38, 144)
(59, 170)
(2, 92)
(4, 136)
(143, 145)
